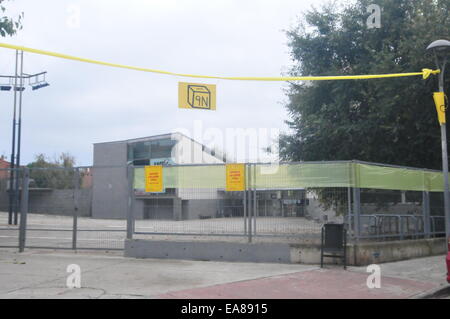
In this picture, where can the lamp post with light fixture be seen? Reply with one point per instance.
(8, 82)
(441, 50)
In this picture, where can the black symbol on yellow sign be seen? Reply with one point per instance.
(199, 97)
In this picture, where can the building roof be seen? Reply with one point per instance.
(216, 153)
(4, 164)
(142, 139)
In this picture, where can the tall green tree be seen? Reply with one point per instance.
(391, 121)
(9, 26)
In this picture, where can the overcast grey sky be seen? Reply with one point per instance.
(87, 104)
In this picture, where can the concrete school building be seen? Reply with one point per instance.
(110, 184)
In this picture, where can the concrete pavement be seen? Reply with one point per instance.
(42, 274)
(314, 284)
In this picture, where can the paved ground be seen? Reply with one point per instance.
(42, 274)
(229, 225)
(56, 231)
(440, 294)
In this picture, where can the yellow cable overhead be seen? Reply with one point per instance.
(425, 72)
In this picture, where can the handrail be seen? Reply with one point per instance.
(377, 221)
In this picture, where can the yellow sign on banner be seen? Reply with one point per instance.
(439, 100)
(196, 96)
(235, 177)
(154, 179)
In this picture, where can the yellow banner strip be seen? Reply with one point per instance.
(425, 72)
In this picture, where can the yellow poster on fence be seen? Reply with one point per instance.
(154, 179)
(197, 96)
(235, 177)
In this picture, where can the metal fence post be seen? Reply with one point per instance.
(426, 213)
(400, 220)
(23, 209)
(349, 209)
(432, 226)
(255, 203)
(250, 201)
(357, 212)
(19, 132)
(245, 199)
(17, 199)
(130, 214)
(76, 190)
(416, 226)
(12, 178)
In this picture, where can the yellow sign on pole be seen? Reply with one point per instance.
(439, 100)
(235, 177)
(154, 179)
(196, 96)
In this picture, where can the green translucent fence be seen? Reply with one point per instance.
(393, 178)
(303, 175)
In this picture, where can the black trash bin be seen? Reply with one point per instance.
(334, 243)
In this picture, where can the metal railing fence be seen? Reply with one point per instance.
(55, 210)
(99, 207)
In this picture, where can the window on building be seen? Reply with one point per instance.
(147, 152)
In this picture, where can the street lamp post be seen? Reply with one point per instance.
(441, 49)
(36, 81)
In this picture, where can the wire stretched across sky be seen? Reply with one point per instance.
(425, 73)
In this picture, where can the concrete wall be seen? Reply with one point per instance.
(4, 200)
(197, 208)
(176, 210)
(381, 252)
(368, 253)
(218, 251)
(306, 253)
(55, 202)
(159, 209)
(60, 202)
(195, 193)
(138, 209)
(110, 184)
